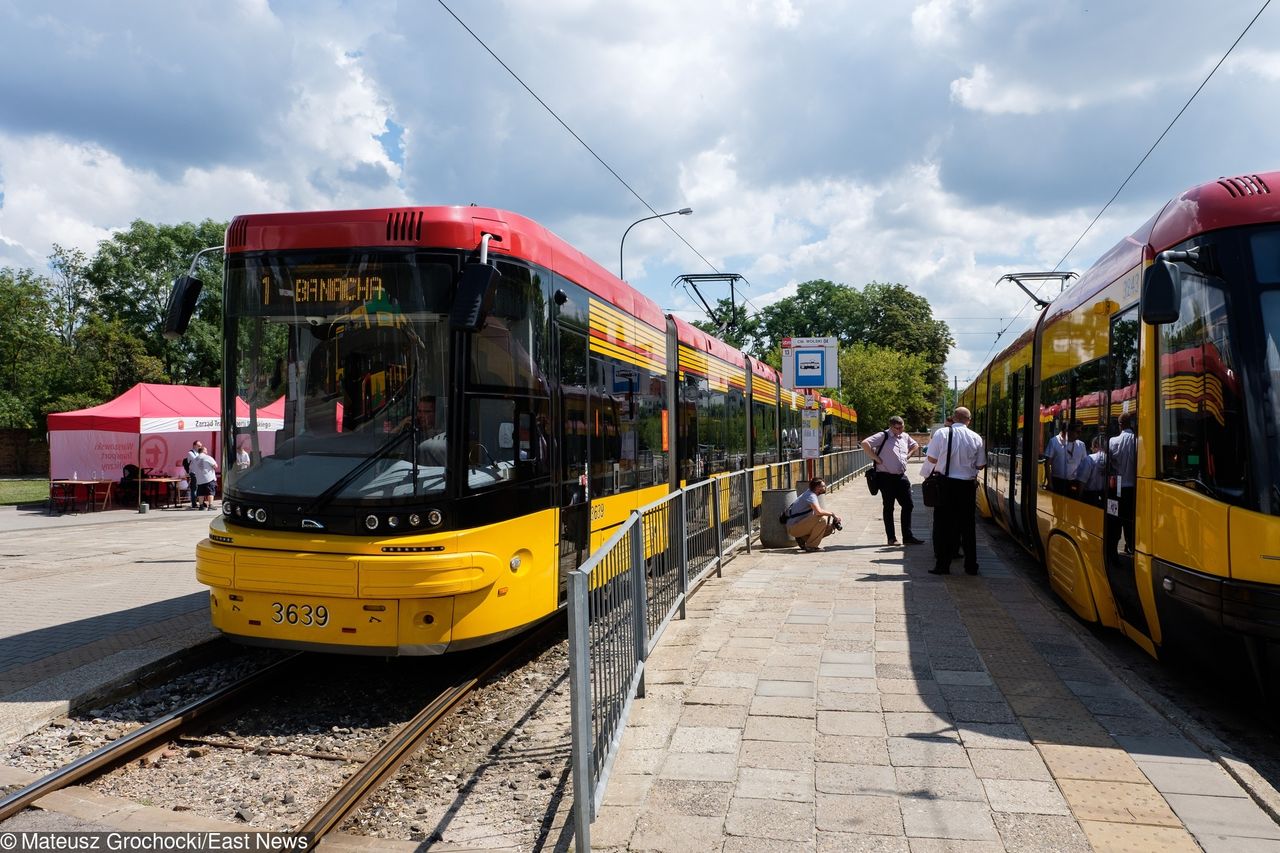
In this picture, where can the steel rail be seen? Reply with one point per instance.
(383, 764)
(137, 742)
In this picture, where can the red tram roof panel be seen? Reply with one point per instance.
(691, 335)
(451, 227)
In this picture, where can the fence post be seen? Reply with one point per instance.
(580, 710)
(639, 600)
(683, 538)
(715, 512)
(747, 490)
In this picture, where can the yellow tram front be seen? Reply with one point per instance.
(404, 503)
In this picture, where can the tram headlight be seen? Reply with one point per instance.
(260, 515)
(239, 511)
(414, 519)
(371, 522)
(226, 508)
(393, 521)
(434, 517)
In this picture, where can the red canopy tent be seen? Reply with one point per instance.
(151, 426)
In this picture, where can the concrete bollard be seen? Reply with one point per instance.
(774, 502)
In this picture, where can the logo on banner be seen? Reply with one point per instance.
(181, 424)
(154, 452)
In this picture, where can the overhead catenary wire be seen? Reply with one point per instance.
(1133, 172)
(574, 133)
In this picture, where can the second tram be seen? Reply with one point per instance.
(1158, 375)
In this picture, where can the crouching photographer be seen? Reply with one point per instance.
(807, 522)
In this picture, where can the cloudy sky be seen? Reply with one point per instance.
(940, 144)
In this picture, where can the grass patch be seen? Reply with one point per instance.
(23, 491)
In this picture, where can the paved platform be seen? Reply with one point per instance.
(90, 602)
(847, 700)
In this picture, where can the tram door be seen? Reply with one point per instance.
(573, 450)
(1022, 466)
(1121, 485)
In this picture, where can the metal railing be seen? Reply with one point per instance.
(623, 597)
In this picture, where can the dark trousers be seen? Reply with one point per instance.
(953, 523)
(1127, 505)
(895, 488)
(191, 487)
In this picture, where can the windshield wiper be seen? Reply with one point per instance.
(325, 497)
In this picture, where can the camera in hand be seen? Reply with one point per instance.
(839, 525)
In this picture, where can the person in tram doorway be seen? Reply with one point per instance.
(958, 453)
(1092, 473)
(191, 475)
(891, 449)
(1123, 452)
(1064, 454)
(205, 469)
(807, 522)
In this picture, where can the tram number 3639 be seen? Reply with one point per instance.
(299, 614)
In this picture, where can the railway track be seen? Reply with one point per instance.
(144, 740)
(474, 670)
(386, 761)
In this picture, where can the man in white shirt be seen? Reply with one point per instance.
(959, 454)
(1093, 473)
(205, 469)
(1063, 454)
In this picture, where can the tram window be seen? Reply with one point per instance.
(1202, 445)
(491, 450)
(510, 350)
(650, 403)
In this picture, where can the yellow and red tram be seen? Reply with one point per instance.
(1163, 360)
(470, 407)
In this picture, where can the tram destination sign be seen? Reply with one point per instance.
(323, 287)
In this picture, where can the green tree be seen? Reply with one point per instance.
(880, 382)
(112, 360)
(28, 348)
(68, 292)
(736, 326)
(132, 274)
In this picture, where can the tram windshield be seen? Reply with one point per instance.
(340, 363)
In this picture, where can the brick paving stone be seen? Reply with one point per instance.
(921, 752)
(993, 736)
(971, 693)
(1009, 764)
(1117, 802)
(776, 756)
(1237, 816)
(782, 706)
(738, 844)
(939, 783)
(777, 729)
(705, 739)
(981, 712)
(677, 833)
(913, 703)
(722, 678)
(851, 723)
(1029, 833)
(926, 724)
(1025, 797)
(707, 799)
(776, 819)
(949, 819)
(852, 750)
(763, 783)
(962, 677)
(1082, 732)
(1122, 838)
(1091, 762)
(870, 780)
(847, 842)
(699, 767)
(859, 814)
(832, 700)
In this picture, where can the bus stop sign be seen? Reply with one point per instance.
(810, 363)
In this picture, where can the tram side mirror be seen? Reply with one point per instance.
(182, 304)
(475, 292)
(1161, 292)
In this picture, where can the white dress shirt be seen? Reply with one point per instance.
(968, 454)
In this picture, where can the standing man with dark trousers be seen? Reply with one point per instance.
(891, 449)
(191, 475)
(958, 453)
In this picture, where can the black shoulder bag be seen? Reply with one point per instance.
(931, 488)
(872, 486)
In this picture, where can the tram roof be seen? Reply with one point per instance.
(1211, 206)
(690, 335)
(439, 227)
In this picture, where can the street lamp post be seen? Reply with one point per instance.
(684, 211)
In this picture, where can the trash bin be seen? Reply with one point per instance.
(774, 502)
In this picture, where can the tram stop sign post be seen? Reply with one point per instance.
(811, 430)
(810, 364)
